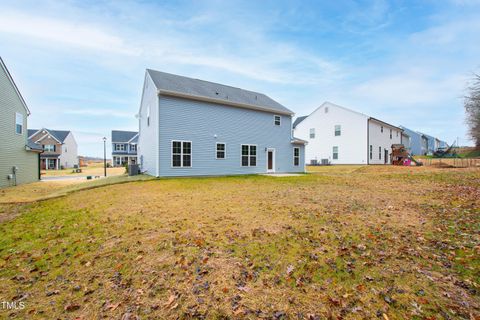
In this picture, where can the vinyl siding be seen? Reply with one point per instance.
(69, 158)
(147, 148)
(351, 142)
(378, 139)
(204, 124)
(12, 145)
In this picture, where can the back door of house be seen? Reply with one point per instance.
(271, 160)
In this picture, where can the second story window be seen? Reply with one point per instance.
(148, 116)
(119, 147)
(312, 133)
(381, 129)
(390, 133)
(133, 147)
(277, 120)
(338, 130)
(49, 148)
(18, 123)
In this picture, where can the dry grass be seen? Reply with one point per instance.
(93, 169)
(350, 243)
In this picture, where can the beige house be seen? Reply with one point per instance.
(19, 159)
(59, 148)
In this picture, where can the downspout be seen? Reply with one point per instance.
(368, 141)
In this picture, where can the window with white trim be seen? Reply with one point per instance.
(133, 147)
(220, 150)
(181, 154)
(296, 156)
(18, 123)
(312, 133)
(49, 147)
(380, 153)
(119, 147)
(381, 129)
(390, 133)
(249, 155)
(338, 130)
(277, 120)
(335, 153)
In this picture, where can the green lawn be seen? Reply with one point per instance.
(341, 243)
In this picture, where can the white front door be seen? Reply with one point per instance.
(270, 160)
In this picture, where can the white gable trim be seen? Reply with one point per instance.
(9, 76)
(48, 134)
(132, 138)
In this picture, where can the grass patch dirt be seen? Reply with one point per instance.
(342, 243)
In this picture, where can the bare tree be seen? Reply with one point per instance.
(472, 109)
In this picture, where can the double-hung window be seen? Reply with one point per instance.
(181, 154)
(18, 123)
(296, 156)
(380, 153)
(277, 120)
(390, 133)
(371, 152)
(119, 147)
(49, 147)
(249, 155)
(338, 130)
(220, 151)
(335, 153)
(312, 133)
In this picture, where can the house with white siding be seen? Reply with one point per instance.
(338, 135)
(190, 127)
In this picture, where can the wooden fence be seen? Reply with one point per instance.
(451, 162)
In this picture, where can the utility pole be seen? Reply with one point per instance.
(105, 156)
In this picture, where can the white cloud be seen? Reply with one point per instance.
(64, 32)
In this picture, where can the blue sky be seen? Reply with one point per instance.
(80, 64)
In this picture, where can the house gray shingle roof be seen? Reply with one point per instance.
(34, 146)
(124, 136)
(195, 87)
(60, 135)
(298, 120)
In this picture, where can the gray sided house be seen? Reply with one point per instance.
(124, 147)
(417, 143)
(193, 127)
(19, 159)
(59, 148)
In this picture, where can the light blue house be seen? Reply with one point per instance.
(191, 127)
(417, 142)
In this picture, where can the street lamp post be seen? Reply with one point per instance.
(105, 156)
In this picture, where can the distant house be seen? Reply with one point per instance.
(124, 147)
(418, 142)
(193, 127)
(19, 159)
(59, 148)
(338, 135)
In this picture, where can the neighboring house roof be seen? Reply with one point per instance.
(124, 136)
(175, 85)
(298, 120)
(59, 135)
(32, 146)
(2, 65)
(385, 123)
(298, 141)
